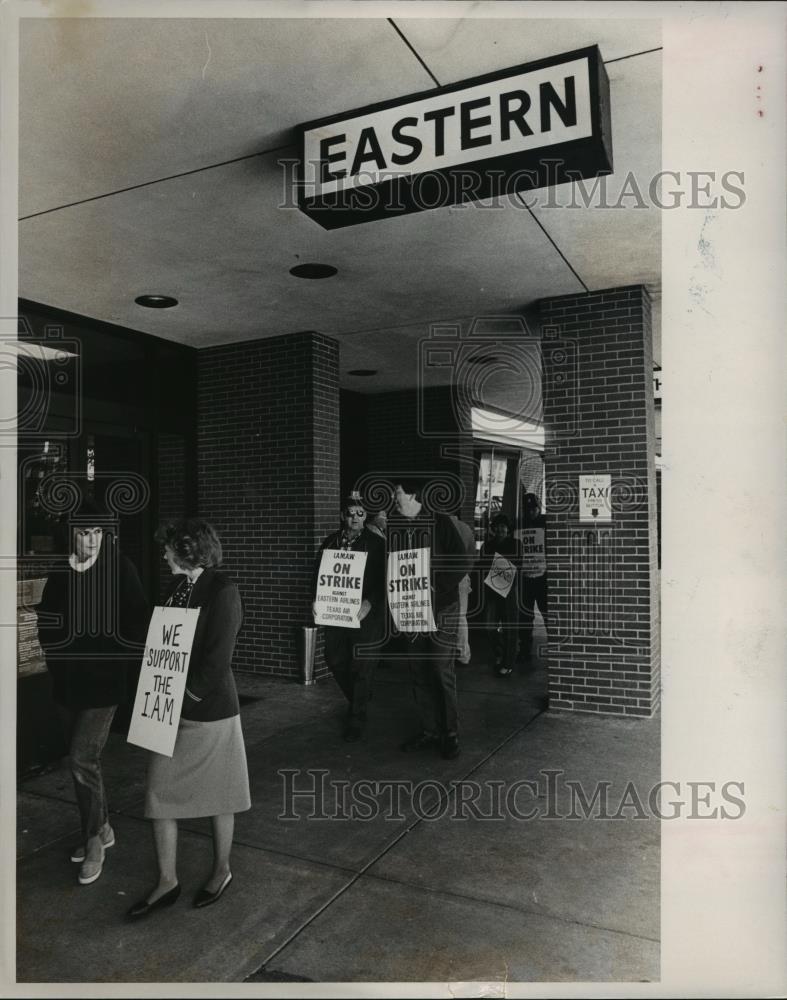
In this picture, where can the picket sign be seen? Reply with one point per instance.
(409, 591)
(340, 588)
(162, 680)
(534, 563)
(501, 575)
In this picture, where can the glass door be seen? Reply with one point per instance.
(496, 488)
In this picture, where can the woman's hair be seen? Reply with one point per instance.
(89, 508)
(193, 541)
(412, 486)
(500, 518)
(87, 514)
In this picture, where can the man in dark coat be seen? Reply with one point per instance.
(534, 572)
(429, 626)
(350, 652)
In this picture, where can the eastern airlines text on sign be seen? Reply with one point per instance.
(541, 123)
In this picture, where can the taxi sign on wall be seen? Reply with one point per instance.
(538, 124)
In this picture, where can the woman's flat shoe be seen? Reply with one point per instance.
(205, 898)
(143, 907)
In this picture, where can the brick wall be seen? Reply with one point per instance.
(268, 446)
(603, 582)
(403, 436)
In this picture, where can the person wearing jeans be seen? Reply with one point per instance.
(87, 732)
(92, 622)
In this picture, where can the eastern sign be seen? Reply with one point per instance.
(340, 588)
(162, 679)
(535, 125)
(595, 502)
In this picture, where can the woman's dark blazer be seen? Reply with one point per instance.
(210, 686)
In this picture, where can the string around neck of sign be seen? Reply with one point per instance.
(189, 588)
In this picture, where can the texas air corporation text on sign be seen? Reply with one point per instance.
(534, 125)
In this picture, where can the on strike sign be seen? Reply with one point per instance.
(409, 593)
(162, 680)
(535, 561)
(340, 588)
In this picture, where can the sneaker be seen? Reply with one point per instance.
(450, 749)
(107, 835)
(91, 870)
(419, 742)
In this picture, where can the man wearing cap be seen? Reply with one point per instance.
(347, 654)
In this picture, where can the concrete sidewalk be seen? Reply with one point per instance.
(386, 893)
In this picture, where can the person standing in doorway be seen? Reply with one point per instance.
(501, 609)
(347, 650)
(534, 573)
(91, 617)
(430, 633)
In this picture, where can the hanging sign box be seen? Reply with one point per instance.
(532, 126)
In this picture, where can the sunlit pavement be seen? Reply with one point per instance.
(467, 873)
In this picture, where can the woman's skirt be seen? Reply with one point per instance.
(205, 776)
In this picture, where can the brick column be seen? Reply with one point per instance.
(268, 444)
(603, 580)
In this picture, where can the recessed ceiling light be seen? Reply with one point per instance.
(313, 271)
(156, 301)
(362, 372)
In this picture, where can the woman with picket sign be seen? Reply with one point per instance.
(207, 774)
(501, 561)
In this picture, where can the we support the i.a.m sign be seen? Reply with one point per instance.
(540, 123)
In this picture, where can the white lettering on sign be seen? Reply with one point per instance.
(162, 679)
(409, 591)
(340, 588)
(531, 110)
(595, 501)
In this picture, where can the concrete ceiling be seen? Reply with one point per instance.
(149, 163)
